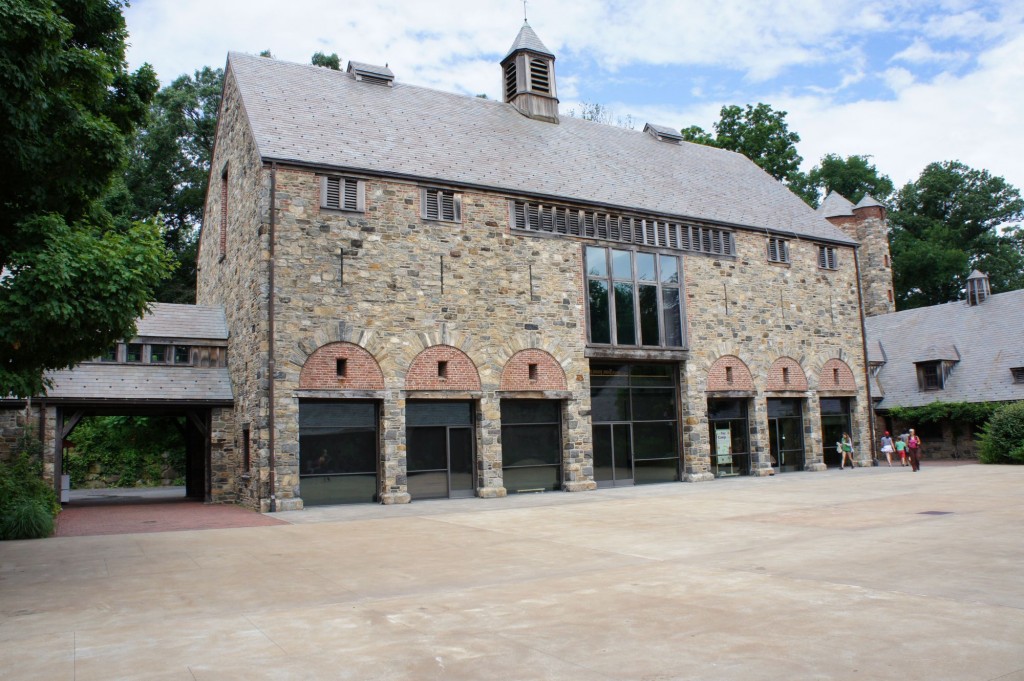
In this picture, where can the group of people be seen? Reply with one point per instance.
(907, 445)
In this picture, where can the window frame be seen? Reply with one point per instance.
(342, 203)
(777, 250)
(610, 280)
(432, 204)
(930, 376)
(828, 258)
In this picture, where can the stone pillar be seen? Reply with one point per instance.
(394, 484)
(814, 451)
(489, 483)
(695, 439)
(577, 443)
(760, 450)
(863, 447)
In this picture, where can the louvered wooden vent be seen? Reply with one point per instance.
(778, 250)
(439, 204)
(539, 76)
(827, 258)
(535, 217)
(510, 81)
(1018, 374)
(341, 193)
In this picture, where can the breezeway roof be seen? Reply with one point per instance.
(135, 383)
(324, 118)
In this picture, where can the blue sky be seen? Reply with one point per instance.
(907, 82)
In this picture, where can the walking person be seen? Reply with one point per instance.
(887, 447)
(901, 448)
(847, 446)
(914, 448)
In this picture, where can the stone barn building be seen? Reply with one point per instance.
(435, 295)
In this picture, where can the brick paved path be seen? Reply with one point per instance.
(161, 516)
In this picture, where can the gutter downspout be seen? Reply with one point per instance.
(271, 362)
(864, 349)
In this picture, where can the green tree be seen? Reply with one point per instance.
(71, 280)
(852, 177)
(1002, 438)
(758, 132)
(168, 169)
(331, 61)
(951, 220)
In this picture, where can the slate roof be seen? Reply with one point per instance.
(988, 337)
(184, 322)
(528, 40)
(119, 383)
(835, 205)
(325, 118)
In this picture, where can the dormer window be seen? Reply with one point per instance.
(929, 375)
(342, 193)
(441, 204)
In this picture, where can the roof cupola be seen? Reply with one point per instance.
(528, 77)
(977, 288)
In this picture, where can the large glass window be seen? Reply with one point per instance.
(338, 452)
(634, 298)
(531, 445)
(786, 433)
(634, 416)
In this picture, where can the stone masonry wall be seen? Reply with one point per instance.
(238, 283)
(871, 230)
(761, 312)
(403, 288)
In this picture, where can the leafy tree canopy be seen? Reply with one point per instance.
(168, 169)
(72, 281)
(331, 61)
(852, 177)
(758, 132)
(952, 220)
(599, 113)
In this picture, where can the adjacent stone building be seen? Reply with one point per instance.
(435, 295)
(967, 351)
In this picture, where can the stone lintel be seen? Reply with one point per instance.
(786, 393)
(534, 394)
(645, 354)
(341, 394)
(716, 394)
(441, 394)
(837, 393)
(395, 498)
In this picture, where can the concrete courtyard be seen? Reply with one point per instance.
(867, 574)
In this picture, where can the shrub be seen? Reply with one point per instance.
(130, 451)
(1002, 438)
(26, 518)
(28, 504)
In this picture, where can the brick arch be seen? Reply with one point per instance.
(777, 377)
(460, 371)
(828, 375)
(320, 370)
(516, 374)
(718, 377)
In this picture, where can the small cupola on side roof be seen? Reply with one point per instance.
(977, 288)
(528, 77)
(370, 73)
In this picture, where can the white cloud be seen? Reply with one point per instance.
(920, 52)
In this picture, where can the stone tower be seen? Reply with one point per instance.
(528, 72)
(866, 223)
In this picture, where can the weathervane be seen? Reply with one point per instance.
(524, 12)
